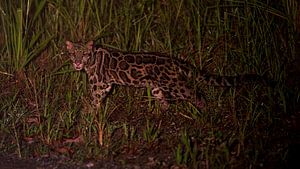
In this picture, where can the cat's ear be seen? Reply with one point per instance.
(69, 45)
(90, 45)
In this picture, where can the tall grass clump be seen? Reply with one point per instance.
(24, 31)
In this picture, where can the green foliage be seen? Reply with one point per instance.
(151, 133)
(187, 152)
(47, 103)
(25, 33)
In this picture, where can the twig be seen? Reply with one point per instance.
(5, 73)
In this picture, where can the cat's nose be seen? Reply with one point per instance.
(77, 62)
(78, 66)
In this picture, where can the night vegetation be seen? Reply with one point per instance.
(45, 106)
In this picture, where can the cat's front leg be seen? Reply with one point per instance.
(99, 92)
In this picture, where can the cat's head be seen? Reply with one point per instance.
(79, 53)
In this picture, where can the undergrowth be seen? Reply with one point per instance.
(45, 105)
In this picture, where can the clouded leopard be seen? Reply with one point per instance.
(168, 78)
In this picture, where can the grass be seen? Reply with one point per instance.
(45, 105)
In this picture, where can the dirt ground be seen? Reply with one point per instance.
(13, 162)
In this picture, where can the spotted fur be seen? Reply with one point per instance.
(167, 77)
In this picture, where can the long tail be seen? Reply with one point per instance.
(228, 81)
